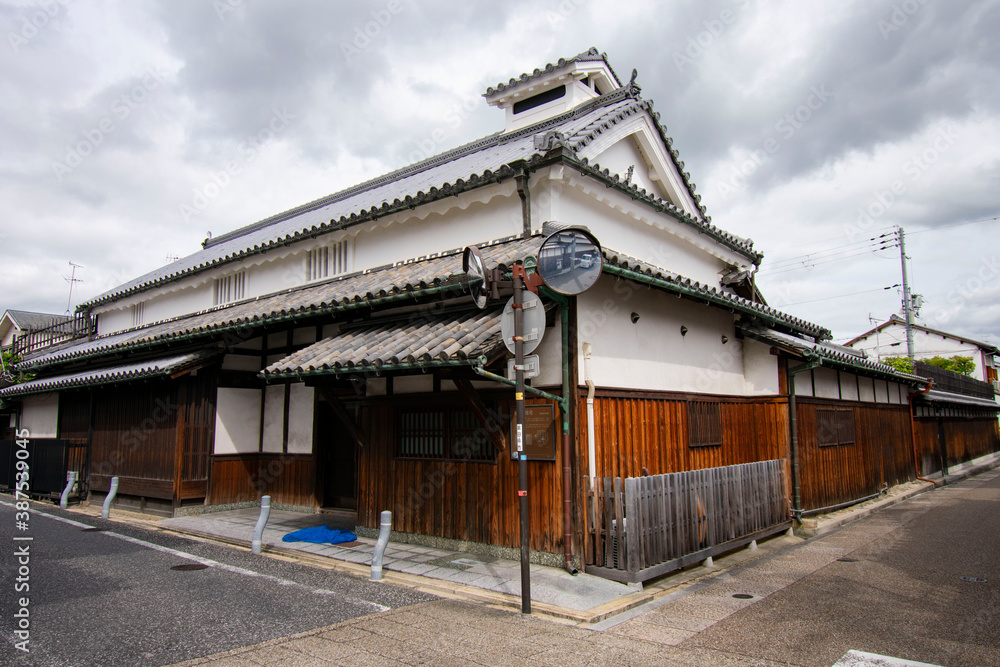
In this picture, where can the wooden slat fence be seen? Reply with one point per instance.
(643, 527)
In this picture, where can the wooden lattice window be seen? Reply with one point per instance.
(704, 423)
(442, 433)
(834, 426)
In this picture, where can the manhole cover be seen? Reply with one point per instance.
(94, 529)
(742, 596)
(189, 567)
(975, 580)
(848, 560)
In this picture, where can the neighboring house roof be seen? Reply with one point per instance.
(400, 284)
(468, 338)
(124, 373)
(27, 320)
(896, 320)
(474, 165)
(832, 357)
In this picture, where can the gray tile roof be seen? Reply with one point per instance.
(115, 374)
(26, 320)
(471, 337)
(464, 168)
(830, 356)
(590, 55)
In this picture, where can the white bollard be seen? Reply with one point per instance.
(70, 481)
(383, 539)
(258, 531)
(108, 499)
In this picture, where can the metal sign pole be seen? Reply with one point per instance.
(522, 462)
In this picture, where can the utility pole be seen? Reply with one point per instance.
(907, 301)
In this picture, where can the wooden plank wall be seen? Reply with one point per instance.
(882, 453)
(287, 478)
(636, 431)
(135, 437)
(474, 502)
(966, 439)
(196, 436)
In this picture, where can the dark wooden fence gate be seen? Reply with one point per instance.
(644, 527)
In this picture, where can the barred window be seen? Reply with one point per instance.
(704, 424)
(328, 261)
(444, 433)
(834, 427)
(139, 314)
(230, 288)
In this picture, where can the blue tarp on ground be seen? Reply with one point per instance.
(320, 535)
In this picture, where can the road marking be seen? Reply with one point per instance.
(862, 659)
(212, 563)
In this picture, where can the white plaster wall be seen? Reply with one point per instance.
(274, 419)
(826, 383)
(112, 320)
(849, 387)
(455, 229)
(241, 362)
(760, 368)
(651, 353)
(300, 419)
(622, 233)
(237, 421)
(624, 154)
(881, 391)
(894, 393)
(804, 384)
(866, 386)
(550, 357)
(40, 415)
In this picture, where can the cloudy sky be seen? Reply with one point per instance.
(808, 127)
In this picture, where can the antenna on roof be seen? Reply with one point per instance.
(72, 279)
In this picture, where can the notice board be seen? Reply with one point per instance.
(539, 433)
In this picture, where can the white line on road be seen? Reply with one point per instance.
(211, 563)
(862, 659)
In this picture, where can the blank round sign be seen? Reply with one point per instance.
(570, 261)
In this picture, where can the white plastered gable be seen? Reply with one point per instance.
(637, 143)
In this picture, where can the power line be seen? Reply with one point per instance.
(855, 245)
(956, 224)
(839, 296)
(874, 244)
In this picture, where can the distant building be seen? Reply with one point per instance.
(889, 340)
(16, 324)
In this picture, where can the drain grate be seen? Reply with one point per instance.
(94, 529)
(975, 580)
(742, 596)
(189, 567)
(848, 560)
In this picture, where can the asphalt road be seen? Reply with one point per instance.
(112, 598)
(902, 594)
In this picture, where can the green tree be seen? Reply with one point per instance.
(8, 375)
(958, 364)
(901, 364)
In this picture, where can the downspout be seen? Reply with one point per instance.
(591, 440)
(793, 426)
(521, 179)
(564, 404)
(913, 433)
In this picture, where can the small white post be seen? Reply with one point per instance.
(108, 499)
(383, 539)
(70, 481)
(258, 531)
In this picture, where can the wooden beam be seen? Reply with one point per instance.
(340, 410)
(482, 413)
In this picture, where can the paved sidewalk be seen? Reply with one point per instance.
(554, 590)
